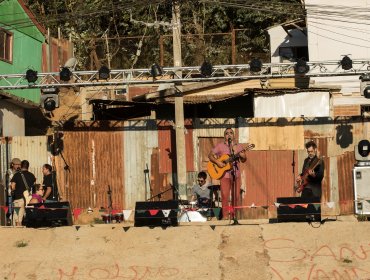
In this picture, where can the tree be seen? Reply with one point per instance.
(91, 24)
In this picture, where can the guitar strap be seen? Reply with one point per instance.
(25, 182)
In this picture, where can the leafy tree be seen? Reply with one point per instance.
(131, 29)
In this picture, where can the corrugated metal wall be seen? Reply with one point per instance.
(137, 163)
(267, 175)
(345, 165)
(33, 149)
(139, 142)
(93, 160)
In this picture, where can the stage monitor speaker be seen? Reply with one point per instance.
(52, 214)
(144, 218)
(298, 213)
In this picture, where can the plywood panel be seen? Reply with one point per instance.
(273, 136)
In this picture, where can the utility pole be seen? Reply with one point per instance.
(179, 103)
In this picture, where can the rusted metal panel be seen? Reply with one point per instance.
(93, 161)
(345, 182)
(266, 176)
(31, 148)
(167, 149)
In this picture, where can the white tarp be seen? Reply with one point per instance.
(308, 104)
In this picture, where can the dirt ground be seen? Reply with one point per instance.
(212, 250)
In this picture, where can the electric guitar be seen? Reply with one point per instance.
(218, 172)
(304, 178)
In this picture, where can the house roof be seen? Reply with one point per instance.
(19, 101)
(296, 23)
(32, 16)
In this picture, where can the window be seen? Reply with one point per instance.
(6, 42)
(293, 53)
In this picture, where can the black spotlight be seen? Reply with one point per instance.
(255, 65)
(301, 67)
(206, 69)
(65, 74)
(49, 99)
(367, 92)
(156, 70)
(346, 63)
(31, 76)
(50, 104)
(364, 148)
(104, 73)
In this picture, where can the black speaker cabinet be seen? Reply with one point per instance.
(144, 218)
(52, 214)
(298, 213)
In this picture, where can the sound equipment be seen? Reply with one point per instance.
(144, 218)
(298, 213)
(52, 214)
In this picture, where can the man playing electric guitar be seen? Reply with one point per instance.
(231, 179)
(309, 181)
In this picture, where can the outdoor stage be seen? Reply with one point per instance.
(256, 250)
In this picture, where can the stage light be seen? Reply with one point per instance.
(65, 74)
(156, 70)
(367, 92)
(255, 65)
(104, 72)
(346, 63)
(301, 67)
(363, 148)
(206, 69)
(31, 76)
(49, 99)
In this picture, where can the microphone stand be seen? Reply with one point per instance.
(233, 183)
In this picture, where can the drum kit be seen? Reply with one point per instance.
(109, 218)
(192, 212)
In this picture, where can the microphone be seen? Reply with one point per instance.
(229, 141)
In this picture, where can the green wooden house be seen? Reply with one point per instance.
(21, 45)
(21, 40)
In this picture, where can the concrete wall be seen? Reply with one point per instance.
(11, 119)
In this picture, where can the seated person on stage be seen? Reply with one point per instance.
(37, 196)
(201, 192)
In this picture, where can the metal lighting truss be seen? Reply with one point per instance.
(185, 74)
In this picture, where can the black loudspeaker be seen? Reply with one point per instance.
(298, 213)
(144, 218)
(52, 214)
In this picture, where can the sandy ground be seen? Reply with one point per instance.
(212, 250)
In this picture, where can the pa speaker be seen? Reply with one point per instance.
(51, 214)
(298, 213)
(145, 217)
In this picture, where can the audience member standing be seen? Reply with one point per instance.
(51, 190)
(22, 181)
(15, 166)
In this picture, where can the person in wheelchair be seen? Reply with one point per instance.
(201, 192)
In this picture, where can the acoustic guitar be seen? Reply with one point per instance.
(304, 178)
(218, 172)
